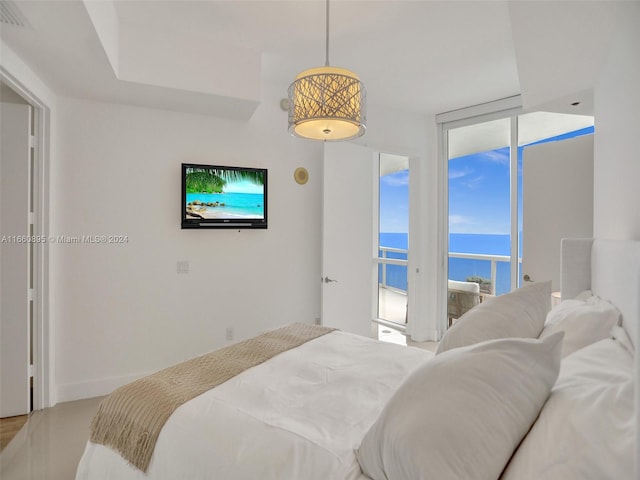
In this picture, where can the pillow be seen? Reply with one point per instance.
(520, 313)
(583, 322)
(586, 429)
(462, 413)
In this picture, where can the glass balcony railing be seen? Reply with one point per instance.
(392, 268)
(492, 270)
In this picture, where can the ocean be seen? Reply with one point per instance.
(249, 205)
(459, 268)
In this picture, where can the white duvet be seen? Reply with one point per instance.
(299, 416)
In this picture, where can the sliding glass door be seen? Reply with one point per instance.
(480, 233)
(484, 201)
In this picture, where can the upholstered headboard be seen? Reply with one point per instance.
(611, 270)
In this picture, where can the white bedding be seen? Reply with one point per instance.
(300, 415)
(586, 429)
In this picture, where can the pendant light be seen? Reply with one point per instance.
(327, 103)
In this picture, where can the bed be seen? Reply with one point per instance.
(516, 390)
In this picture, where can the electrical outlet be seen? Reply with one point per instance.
(317, 321)
(230, 333)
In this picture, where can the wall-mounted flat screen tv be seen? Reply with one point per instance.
(223, 197)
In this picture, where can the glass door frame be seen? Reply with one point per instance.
(510, 107)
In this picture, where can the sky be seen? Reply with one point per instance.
(478, 192)
(242, 187)
(479, 199)
(394, 202)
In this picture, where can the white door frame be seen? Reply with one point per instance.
(41, 330)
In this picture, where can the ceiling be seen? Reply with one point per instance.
(211, 56)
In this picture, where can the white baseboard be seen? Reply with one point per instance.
(94, 388)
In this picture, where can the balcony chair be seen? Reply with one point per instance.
(461, 297)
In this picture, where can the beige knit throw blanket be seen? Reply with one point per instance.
(130, 419)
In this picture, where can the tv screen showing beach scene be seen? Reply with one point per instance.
(223, 197)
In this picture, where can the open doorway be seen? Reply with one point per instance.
(393, 246)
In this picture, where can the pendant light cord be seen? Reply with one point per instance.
(326, 63)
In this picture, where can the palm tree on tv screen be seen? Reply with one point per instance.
(213, 180)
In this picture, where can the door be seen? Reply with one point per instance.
(482, 192)
(349, 237)
(557, 203)
(15, 121)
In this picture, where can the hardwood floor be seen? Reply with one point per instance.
(9, 427)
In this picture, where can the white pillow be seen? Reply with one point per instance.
(463, 413)
(520, 313)
(583, 321)
(586, 429)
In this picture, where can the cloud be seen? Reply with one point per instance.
(453, 173)
(473, 183)
(501, 156)
(400, 179)
(394, 225)
(458, 220)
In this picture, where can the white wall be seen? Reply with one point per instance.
(121, 310)
(118, 311)
(617, 116)
(427, 288)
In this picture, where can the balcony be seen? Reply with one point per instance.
(392, 285)
(494, 268)
(392, 275)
